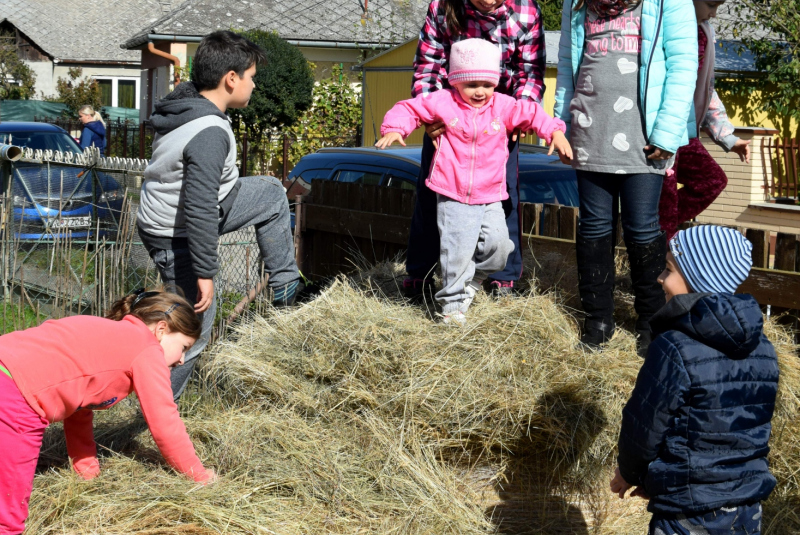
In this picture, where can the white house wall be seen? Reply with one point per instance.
(45, 82)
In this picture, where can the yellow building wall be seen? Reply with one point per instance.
(742, 111)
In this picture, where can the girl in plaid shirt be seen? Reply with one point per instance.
(516, 26)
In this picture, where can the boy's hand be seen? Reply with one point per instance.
(435, 130)
(560, 144)
(618, 485)
(205, 294)
(390, 138)
(742, 148)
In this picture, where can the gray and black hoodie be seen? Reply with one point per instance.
(192, 179)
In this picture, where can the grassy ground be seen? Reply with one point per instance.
(356, 413)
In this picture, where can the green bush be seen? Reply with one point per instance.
(283, 87)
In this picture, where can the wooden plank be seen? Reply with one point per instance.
(785, 252)
(373, 226)
(766, 159)
(773, 287)
(409, 200)
(557, 245)
(530, 217)
(549, 225)
(395, 200)
(760, 241)
(795, 172)
(567, 223)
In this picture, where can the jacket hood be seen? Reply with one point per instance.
(96, 127)
(731, 324)
(184, 104)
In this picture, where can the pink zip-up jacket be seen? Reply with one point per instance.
(470, 164)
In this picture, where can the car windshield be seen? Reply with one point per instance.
(42, 140)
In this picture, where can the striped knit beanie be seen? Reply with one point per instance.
(474, 60)
(712, 258)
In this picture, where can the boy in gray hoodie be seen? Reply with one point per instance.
(192, 192)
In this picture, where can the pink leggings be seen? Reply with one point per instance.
(21, 432)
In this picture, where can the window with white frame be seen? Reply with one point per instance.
(119, 91)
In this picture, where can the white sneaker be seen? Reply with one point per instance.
(456, 318)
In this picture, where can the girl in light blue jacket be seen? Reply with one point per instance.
(627, 70)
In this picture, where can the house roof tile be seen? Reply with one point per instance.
(389, 21)
(81, 30)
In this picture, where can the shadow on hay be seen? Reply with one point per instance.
(540, 486)
(121, 438)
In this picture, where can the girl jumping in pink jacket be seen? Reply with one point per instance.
(468, 169)
(64, 370)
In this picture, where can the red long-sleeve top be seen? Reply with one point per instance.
(69, 367)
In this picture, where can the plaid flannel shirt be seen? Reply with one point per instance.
(516, 26)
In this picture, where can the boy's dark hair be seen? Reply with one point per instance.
(221, 52)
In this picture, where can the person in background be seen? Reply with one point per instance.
(94, 129)
(701, 176)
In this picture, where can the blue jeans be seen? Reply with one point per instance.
(262, 204)
(741, 520)
(423, 237)
(637, 197)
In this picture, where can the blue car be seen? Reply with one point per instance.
(49, 201)
(542, 178)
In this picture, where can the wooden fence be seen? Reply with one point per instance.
(340, 223)
(783, 154)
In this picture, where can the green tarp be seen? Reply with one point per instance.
(26, 110)
(122, 114)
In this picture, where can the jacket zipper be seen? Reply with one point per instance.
(472, 159)
(650, 62)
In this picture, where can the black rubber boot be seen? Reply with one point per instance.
(596, 287)
(647, 261)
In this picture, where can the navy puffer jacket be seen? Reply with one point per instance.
(695, 431)
(94, 134)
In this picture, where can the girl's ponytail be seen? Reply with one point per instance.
(455, 16)
(90, 111)
(152, 306)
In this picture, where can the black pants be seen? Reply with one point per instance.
(423, 238)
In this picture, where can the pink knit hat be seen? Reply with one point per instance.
(474, 60)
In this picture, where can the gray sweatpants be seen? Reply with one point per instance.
(261, 203)
(473, 242)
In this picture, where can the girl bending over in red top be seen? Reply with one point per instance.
(65, 369)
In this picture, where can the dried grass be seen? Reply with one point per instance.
(356, 414)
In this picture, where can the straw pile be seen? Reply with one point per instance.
(356, 414)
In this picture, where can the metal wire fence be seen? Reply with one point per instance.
(69, 243)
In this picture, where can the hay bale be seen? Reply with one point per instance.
(356, 414)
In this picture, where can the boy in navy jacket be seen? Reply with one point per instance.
(694, 437)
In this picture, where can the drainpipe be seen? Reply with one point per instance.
(174, 59)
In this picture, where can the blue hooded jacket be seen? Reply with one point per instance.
(667, 68)
(94, 134)
(695, 432)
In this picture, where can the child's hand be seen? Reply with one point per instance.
(657, 153)
(742, 148)
(390, 138)
(618, 485)
(212, 477)
(560, 144)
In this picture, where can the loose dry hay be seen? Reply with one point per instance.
(356, 414)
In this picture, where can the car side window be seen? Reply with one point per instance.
(395, 181)
(310, 174)
(360, 177)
